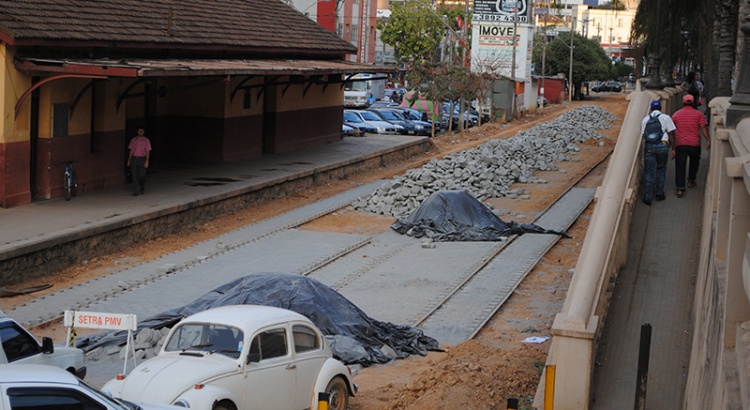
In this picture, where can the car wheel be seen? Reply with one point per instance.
(338, 394)
(224, 405)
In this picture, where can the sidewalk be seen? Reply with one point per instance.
(175, 188)
(656, 287)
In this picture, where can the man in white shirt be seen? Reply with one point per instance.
(656, 153)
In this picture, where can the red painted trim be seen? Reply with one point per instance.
(47, 80)
(82, 69)
(6, 39)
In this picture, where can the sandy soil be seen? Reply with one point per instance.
(479, 374)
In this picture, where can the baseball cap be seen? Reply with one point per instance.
(655, 105)
(688, 99)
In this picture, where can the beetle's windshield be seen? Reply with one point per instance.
(206, 337)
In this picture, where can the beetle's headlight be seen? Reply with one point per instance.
(398, 127)
(182, 403)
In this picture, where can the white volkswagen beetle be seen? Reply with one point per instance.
(240, 357)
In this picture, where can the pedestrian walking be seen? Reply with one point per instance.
(657, 130)
(140, 152)
(691, 125)
(693, 86)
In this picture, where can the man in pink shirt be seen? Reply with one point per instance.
(691, 125)
(140, 152)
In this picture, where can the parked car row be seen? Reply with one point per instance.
(231, 357)
(388, 120)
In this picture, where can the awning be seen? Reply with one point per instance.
(194, 67)
(54, 69)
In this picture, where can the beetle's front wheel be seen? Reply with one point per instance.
(338, 394)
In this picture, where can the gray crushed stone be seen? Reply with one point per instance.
(489, 170)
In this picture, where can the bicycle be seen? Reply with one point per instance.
(70, 182)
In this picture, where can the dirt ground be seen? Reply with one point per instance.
(479, 374)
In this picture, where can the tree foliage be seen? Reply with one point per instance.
(703, 31)
(590, 61)
(414, 31)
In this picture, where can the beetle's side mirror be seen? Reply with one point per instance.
(47, 346)
(253, 358)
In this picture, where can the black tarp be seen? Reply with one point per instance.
(452, 216)
(355, 338)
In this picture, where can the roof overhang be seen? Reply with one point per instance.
(194, 67)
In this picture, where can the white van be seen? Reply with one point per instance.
(20, 346)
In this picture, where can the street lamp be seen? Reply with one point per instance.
(686, 45)
(655, 82)
(670, 69)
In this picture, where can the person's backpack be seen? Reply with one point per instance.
(653, 133)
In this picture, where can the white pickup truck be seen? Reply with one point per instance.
(20, 346)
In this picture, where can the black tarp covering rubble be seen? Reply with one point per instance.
(355, 338)
(453, 216)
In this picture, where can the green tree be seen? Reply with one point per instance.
(414, 30)
(590, 61)
(704, 31)
(620, 69)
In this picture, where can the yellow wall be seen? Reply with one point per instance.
(12, 86)
(198, 101)
(315, 97)
(107, 116)
(64, 91)
(234, 108)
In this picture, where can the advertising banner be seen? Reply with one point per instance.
(492, 49)
(502, 11)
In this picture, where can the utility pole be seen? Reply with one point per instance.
(513, 59)
(544, 58)
(570, 75)
(586, 27)
(610, 42)
(462, 114)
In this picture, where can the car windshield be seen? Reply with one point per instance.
(114, 403)
(389, 115)
(411, 115)
(360, 85)
(206, 337)
(352, 117)
(370, 116)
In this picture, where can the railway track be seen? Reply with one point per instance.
(389, 276)
(466, 297)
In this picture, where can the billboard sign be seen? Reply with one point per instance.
(502, 11)
(493, 47)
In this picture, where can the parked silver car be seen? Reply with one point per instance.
(42, 387)
(372, 119)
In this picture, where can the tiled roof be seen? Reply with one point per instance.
(245, 24)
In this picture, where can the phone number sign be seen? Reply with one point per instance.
(502, 10)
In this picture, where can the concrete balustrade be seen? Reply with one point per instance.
(577, 328)
(719, 372)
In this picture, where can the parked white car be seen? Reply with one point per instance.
(240, 357)
(19, 346)
(372, 119)
(42, 387)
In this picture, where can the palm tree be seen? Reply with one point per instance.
(710, 27)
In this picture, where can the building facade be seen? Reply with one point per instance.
(212, 81)
(352, 20)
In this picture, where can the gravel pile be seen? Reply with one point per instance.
(488, 170)
(147, 344)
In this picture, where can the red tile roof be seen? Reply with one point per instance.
(262, 26)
